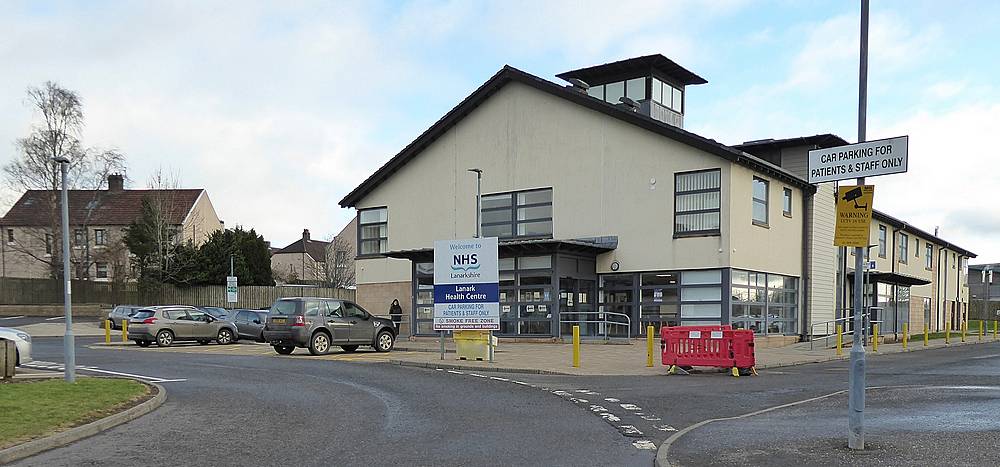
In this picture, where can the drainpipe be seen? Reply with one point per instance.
(943, 276)
(806, 277)
(892, 269)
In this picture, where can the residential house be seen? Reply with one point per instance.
(316, 261)
(31, 229)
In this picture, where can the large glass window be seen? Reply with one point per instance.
(881, 241)
(635, 89)
(697, 202)
(760, 189)
(786, 202)
(613, 92)
(518, 214)
(904, 251)
(928, 256)
(373, 231)
(764, 303)
(667, 95)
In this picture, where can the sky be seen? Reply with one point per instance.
(278, 109)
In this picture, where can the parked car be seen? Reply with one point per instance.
(120, 313)
(168, 324)
(249, 323)
(319, 323)
(216, 312)
(22, 343)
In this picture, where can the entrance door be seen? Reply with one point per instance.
(577, 299)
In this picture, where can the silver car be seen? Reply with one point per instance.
(121, 312)
(168, 324)
(22, 341)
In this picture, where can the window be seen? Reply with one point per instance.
(596, 91)
(904, 247)
(373, 231)
(312, 307)
(517, 214)
(197, 315)
(102, 270)
(48, 244)
(764, 303)
(10, 235)
(760, 188)
(667, 95)
(916, 250)
(78, 237)
(635, 89)
(928, 256)
(786, 202)
(353, 311)
(99, 237)
(697, 202)
(881, 241)
(614, 91)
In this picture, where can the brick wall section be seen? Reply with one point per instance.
(916, 315)
(376, 298)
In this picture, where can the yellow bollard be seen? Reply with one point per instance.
(927, 337)
(840, 340)
(980, 330)
(947, 333)
(124, 331)
(906, 334)
(875, 338)
(107, 331)
(649, 346)
(965, 326)
(995, 325)
(576, 346)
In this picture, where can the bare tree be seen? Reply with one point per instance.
(338, 264)
(57, 135)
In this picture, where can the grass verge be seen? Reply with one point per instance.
(32, 409)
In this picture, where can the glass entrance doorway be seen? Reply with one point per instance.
(577, 298)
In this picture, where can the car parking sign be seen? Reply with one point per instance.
(466, 285)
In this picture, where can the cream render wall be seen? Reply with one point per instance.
(608, 178)
(202, 221)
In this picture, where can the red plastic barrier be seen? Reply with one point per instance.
(717, 346)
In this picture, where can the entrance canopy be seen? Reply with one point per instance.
(894, 278)
(594, 245)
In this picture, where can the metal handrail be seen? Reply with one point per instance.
(604, 320)
(828, 334)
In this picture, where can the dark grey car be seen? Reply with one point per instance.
(320, 323)
(249, 323)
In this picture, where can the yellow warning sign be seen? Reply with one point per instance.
(854, 215)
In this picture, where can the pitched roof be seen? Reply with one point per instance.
(826, 140)
(901, 224)
(316, 249)
(99, 207)
(510, 74)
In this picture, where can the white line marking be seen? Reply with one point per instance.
(130, 375)
(497, 378)
(644, 444)
(630, 407)
(455, 372)
(477, 376)
(985, 356)
(12, 317)
(610, 417)
(629, 430)
(561, 393)
(612, 399)
(597, 409)
(54, 318)
(664, 428)
(651, 418)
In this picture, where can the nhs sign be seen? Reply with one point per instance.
(466, 285)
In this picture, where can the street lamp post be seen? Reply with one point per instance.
(479, 232)
(69, 349)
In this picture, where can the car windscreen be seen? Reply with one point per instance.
(143, 314)
(215, 312)
(284, 307)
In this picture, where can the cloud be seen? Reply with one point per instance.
(952, 176)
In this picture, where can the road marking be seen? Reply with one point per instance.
(54, 318)
(12, 317)
(632, 407)
(612, 399)
(630, 431)
(985, 356)
(644, 444)
(43, 365)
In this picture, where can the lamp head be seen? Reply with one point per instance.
(60, 160)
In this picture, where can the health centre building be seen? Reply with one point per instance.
(606, 208)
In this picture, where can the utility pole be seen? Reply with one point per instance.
(69, 344)
(856, 401)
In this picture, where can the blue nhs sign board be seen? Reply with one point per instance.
(466, 285)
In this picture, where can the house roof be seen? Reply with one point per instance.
(900, 224)
(99, 207)
(510, 74)
(316, 249)
(607, 72)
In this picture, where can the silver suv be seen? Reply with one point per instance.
(168, 324)
(320, 323)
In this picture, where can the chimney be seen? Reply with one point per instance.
(116, 182)
(305, 235)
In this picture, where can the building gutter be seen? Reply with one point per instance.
(807, 208)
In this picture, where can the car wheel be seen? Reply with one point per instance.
(384, 341)
(320, 343)
(349, 348)
(143, 343)
(164, 338)
(284, 349)
(225, 337)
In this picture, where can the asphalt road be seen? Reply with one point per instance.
(232, 410)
